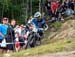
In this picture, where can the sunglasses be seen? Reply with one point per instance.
(5, 19)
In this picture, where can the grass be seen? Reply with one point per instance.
(58, 46)
(57, 25)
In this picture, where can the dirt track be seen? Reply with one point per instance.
(60, 54)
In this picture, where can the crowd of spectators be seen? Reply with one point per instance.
(14, 37)
(57, 9)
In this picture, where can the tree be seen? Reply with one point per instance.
(18, 9)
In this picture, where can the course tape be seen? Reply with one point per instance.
(12, 43)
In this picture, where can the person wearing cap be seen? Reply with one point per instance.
(3, 31)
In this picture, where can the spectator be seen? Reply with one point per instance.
(69, 12)
(18, 29)
(17, 43)
(24, 36)
(54, 9)
(71, 4)
(30, 19)
(48, 7)
(3, 32)
(66, 3)
(54, 6)
(11, 36)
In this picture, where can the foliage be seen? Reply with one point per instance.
(10, 9)
(57, 25)
(35, 8)
(16, 9)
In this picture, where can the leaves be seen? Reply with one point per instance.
(17, 9)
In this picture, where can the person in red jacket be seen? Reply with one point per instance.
(54, 10)
(17, 43)
(54, 7)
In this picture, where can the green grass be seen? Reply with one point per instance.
(57, 25)
(58, 46)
